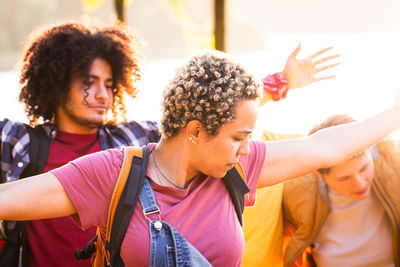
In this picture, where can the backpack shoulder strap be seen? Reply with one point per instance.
(39, 147)
(235, 182)
(124, 198)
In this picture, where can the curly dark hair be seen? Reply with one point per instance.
(206, 89)
(57, 54)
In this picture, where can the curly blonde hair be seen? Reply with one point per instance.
(206, 89)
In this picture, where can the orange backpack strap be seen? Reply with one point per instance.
(235, 182)
(129, 153)
(122, 205)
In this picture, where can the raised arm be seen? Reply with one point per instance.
(292, 158)
(298, 73)
(301, 72)
(38, 197)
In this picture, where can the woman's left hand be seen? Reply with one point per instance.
(301, 72)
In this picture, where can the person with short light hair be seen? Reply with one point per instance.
(347, 213)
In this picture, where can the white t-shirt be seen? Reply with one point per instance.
(355, 233)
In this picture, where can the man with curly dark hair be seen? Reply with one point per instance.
(65, 53)
(73, 82)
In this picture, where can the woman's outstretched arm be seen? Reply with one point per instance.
(292, 158)
(37, 197)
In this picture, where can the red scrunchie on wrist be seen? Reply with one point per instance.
(277, 85)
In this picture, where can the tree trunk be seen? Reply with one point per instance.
(219, 24)
(120, 9)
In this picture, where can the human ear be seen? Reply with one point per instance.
(193, 129)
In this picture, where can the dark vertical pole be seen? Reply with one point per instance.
(120, 9)
(219, 24)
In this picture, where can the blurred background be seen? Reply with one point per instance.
(258, 33)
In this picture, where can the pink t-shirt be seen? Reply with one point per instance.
(203, 212)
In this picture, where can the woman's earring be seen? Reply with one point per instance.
(192, 140)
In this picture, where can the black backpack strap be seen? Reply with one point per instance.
(87, 251)
(237, 188)
(11, 253)
(39, 147)
(126, 206)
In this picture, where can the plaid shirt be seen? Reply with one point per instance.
(14, 142)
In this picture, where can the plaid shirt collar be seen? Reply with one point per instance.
(14, 146)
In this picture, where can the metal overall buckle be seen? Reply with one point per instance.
(157, 224)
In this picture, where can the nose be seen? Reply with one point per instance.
(102, 92)
(244, 148)
(359, 181)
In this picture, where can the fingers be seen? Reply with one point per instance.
(296, 51)
(326, 67)
(323, 78)
(316, 79)
(322, 60)
(321, 52)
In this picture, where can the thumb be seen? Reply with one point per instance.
(296, 51)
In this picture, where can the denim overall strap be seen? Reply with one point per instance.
(167, 246)
(148, 200)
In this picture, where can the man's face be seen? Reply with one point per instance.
(352, 178)
(88, 101)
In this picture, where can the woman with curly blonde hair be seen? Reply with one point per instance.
(209, 112)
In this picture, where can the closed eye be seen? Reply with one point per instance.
(343, 178)
(364, 168)
(238, 139)
(88, 83)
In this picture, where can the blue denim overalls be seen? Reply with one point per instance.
(167, 246)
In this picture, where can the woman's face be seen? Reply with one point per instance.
(218, 154)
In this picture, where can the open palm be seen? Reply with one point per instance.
(301, 72)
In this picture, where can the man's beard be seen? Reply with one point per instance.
(81, 120)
